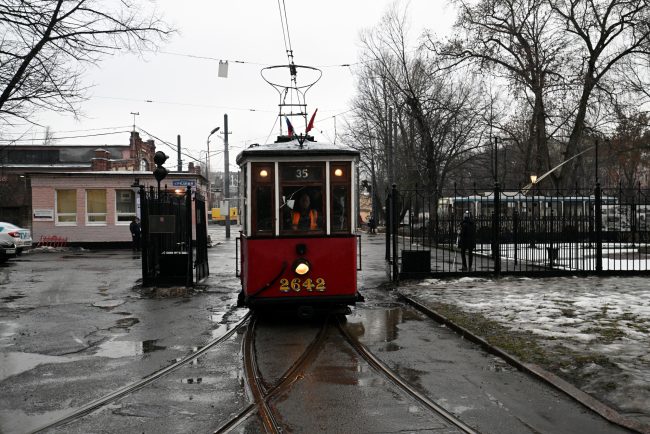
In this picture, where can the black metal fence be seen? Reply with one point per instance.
(167, 247)
(601, 230)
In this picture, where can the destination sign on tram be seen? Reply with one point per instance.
(296, 172)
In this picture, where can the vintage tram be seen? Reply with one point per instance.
(297, 248)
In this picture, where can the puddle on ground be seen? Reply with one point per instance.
(126, 322)
(14, 363)
(115, 349)
(17, 421)
(198, 380)
(109, 304)
(11, 298)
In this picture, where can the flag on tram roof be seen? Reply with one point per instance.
(310, 125)
(290, 130)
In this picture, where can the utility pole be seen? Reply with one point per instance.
(179, 166)
(389, 132)
(226, 173)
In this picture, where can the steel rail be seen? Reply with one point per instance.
(128, 389)
(380, 366)
(254, 382)
(293, 374)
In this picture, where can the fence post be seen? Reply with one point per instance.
(515, 232)
(496, 224)
(388, 225)
(599, 228)
(394, 222)
(144, 235)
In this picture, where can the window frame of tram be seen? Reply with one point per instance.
(340, 183)
(262, 200)
(296, 179)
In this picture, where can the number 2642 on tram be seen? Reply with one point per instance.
(298, 243)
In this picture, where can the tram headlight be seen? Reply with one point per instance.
(301, 266)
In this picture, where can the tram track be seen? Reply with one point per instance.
(395, 378)
(133, 387)
(261, 392)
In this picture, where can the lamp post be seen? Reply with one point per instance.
(207, 167)
(533, 181)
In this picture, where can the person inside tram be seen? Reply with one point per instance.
(304, 217)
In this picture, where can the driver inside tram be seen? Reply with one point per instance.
(305, 217)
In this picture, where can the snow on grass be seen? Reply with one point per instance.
(607, 318)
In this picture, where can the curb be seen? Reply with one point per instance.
(536, 371)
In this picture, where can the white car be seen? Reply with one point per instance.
(7, 247)
(22, 237)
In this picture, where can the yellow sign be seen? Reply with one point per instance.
(298, 285)
(217, 216)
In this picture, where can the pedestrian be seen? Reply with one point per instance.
(135, 233)
(467, 241)
(372, 224)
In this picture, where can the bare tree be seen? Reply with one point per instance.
(608, 32)
(45, 45)
(517, 41)
(435, 112)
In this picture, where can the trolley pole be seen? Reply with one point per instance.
(226, 174)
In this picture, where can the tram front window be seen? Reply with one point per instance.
(302, 209)
(339, 208)
(264, 208)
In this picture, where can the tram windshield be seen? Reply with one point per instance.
(301, 189)
(308, 203)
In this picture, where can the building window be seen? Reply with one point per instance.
(96, 207)
(66, 207)
(124, 206)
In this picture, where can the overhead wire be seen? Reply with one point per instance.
(64, 137)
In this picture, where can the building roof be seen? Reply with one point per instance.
(286, 147)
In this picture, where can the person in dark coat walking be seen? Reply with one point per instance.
(135, 233)
(467, 241)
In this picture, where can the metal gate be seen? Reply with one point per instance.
(528, 232)
(167, 247)
(201, 248)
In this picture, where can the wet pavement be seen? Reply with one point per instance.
(74, 326)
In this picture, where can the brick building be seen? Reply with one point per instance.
(83, 193)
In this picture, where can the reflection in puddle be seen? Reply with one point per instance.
(116, 349)
(8, 329)
(377, 325)
(15, 363)
(10, 298)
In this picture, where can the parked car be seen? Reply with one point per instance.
(22, 237)
(7, 247)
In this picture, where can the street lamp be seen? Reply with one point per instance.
(207, 167)
(533, 181)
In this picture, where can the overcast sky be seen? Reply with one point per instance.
(176, 94)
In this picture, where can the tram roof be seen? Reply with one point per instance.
(286, 147)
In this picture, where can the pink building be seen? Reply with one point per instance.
(96, 207)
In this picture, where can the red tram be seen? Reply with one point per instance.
(298, 242)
